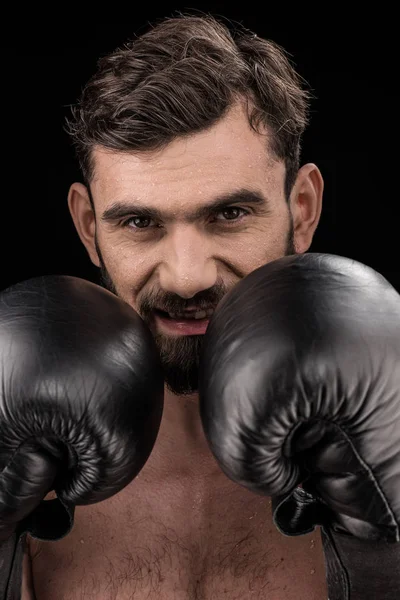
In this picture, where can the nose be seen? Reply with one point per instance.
(187, 267)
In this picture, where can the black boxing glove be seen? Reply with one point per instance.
(300, 385)
(81, 400)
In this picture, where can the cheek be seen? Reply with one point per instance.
(259, 245)
(126, 266)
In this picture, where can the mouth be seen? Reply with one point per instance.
(189, 315)
(190, 322)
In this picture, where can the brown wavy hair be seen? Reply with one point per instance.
(180, 77)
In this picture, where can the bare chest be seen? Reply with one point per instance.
(117, 552)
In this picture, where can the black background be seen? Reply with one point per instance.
(350, 62)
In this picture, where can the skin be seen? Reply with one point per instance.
(187, 261)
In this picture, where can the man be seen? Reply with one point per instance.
(189, 143)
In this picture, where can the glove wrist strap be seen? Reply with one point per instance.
(51, 520)
(359, 569)
(11, 561)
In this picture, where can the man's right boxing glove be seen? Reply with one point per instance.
(81, 399)
(300, 386)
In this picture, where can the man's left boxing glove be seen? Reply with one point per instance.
(81, 399)
(300, 384)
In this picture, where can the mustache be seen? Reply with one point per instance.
(170, 302)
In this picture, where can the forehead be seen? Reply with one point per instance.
(229, 154)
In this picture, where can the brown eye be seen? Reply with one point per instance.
(231, 213)
(138, 222)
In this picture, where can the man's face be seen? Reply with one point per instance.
(175, 230)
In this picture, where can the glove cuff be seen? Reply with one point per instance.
(11, 560)
(50, 521)
(358, 569)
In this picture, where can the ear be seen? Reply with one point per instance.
(306, 205)
(84, 218)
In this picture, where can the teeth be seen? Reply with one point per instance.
(200, 314)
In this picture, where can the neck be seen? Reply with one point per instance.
(181, 446)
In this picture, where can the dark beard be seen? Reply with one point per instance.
(179, 355)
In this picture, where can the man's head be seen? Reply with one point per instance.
(189, 143)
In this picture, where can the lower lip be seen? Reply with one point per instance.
(183, 327)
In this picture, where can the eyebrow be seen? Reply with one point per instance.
(119, 210)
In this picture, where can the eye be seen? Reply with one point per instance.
(138, 222)
(232, 213)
